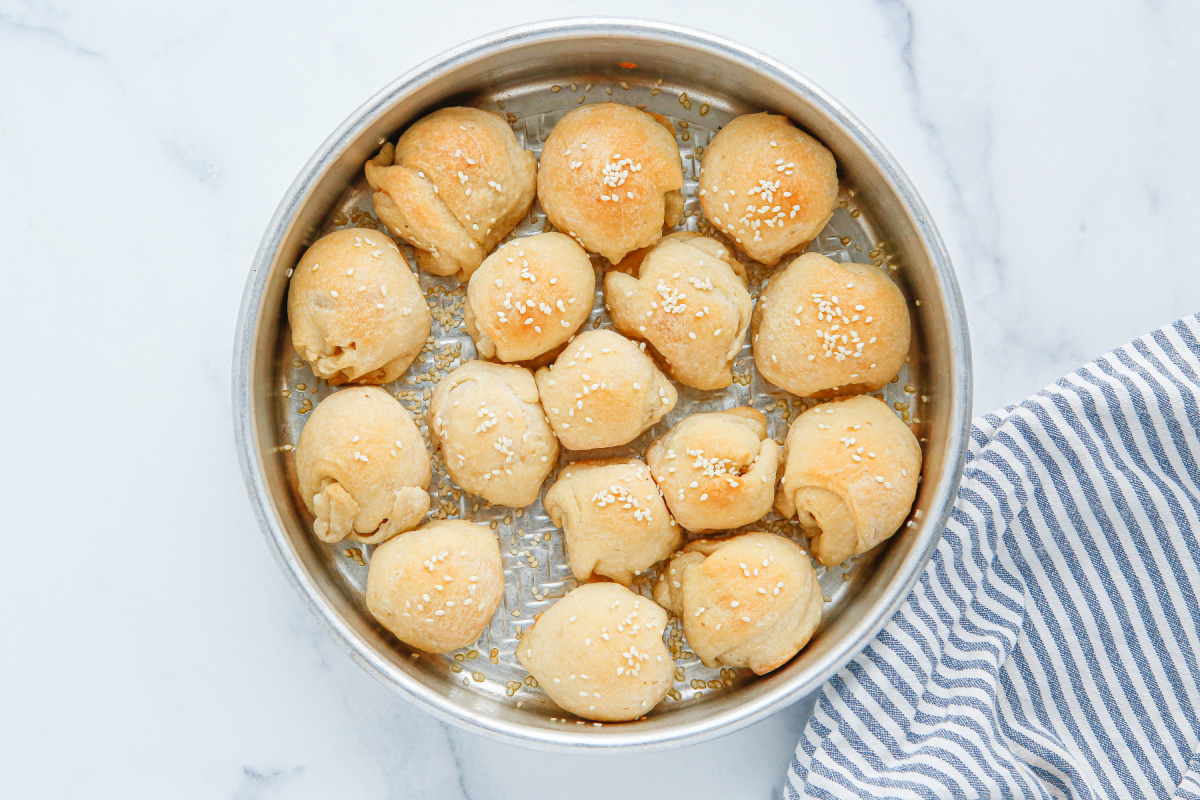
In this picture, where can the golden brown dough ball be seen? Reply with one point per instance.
(850, 476)
(362, 467)
(493, 433)
(750, 601)
(822, 328)
(529, 296)
(717, 469)
(436, 588)
(767, 185)
(599, 653)
(611, 178)
(356, 311)
(614, 519)
(603, 391)
(690, 302)
(453, 186)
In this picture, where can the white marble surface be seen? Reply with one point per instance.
(151, 647)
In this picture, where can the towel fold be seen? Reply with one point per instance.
(1051, 647)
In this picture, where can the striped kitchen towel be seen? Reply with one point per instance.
(1051, 648)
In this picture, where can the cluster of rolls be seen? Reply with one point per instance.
(610, 181)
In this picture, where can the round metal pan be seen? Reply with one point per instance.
(532, 75)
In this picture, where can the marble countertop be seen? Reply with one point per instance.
(152, 647)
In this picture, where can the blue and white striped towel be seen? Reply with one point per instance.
(1052, 647)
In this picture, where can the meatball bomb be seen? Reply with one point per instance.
(849, 476)
(750, 601)
(362, 467)
(356, 312)
(767, 185)
(611, 178)
(822, 328)
(453, 186)
(529, 297)
(614, 519)
(599, 653)
(717, 470)
(493, 434)
(437, 587)
(603, 391)
(690, 302)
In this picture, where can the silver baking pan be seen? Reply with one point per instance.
(532, 75)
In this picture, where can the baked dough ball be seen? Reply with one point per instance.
(453, 186)
(362, 467)
(436, 588)
(611, 177)
(614, 519)
(849, 476)
(717, 470)
(822, 328)
(750, 601)
(689, 301)
(529, 296)
(356, 311)
(493, 434)
(603, 391)
(767, 185)
(599, 653)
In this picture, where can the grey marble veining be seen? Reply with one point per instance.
(152, 648)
